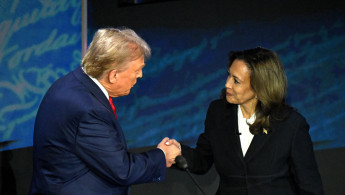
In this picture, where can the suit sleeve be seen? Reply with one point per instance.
(102, 148)
(200, 159)
(304, 164)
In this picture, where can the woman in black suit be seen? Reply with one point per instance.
(258, 143)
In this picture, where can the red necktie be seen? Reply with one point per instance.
(112, 105)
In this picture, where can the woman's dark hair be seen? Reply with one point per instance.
(268, 81)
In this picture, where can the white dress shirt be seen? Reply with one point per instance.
(245, 136)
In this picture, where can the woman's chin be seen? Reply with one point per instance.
(230, 100)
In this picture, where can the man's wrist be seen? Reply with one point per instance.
(163, 152)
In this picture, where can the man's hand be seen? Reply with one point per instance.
(173, 142)
(170, 149)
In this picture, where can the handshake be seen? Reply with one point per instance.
(171, 149)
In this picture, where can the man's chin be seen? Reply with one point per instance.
(121, 94)
(126, 93)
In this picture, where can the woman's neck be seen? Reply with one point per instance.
(248, 109)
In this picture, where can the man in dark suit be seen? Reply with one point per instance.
(79, 147)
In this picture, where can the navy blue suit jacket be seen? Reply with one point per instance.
(79, 146)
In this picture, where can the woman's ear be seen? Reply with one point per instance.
(112, 76)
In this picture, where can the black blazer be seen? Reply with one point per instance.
(280, 162)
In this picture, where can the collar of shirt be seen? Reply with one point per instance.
(245, 137)
(98, 84)
(251, 120)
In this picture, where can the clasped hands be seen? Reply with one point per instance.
(171, 149)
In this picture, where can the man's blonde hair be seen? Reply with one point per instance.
(111, 49)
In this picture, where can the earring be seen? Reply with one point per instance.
(256, 97)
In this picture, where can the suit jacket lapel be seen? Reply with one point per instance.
(256, 145)
(232, 127)
(93, 88)
(97, 92)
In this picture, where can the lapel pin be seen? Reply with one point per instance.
(265, 131)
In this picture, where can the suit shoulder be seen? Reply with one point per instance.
(291, 120)
(68, 92)
(221, 104)
(294, 115)
(286, 112)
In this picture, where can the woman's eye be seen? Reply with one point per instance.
(236, 82)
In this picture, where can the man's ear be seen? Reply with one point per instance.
(112, 76)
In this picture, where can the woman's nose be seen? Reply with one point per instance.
(228, 83)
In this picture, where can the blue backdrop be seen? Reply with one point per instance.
(40, 42)
(188, 69)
